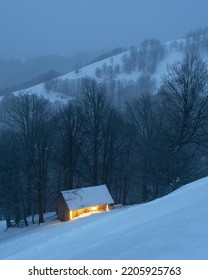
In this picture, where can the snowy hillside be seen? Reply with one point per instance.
(109, 70)
(134, 70)
(172, 227)
(87, 71)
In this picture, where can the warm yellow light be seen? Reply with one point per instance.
(70, 215)
(84, 212)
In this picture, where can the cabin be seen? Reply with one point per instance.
(82, 202)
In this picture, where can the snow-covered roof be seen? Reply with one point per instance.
(87, 197)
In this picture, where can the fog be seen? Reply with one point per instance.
(31, 28)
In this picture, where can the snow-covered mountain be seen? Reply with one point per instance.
(109, 70)
(172, 227)
(134, 70)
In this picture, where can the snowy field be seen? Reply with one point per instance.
(172, 227)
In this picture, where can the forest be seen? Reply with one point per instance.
(148, 147)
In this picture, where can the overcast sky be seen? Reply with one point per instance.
(35, 27)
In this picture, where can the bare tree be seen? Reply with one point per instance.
(95, 106)
(185, 95)
(69, 141)
(149, 55)
(10, 183)
(29, 117)
(185, 98)
(104, 139)
(145, 118)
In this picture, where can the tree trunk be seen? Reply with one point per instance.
(8, 220)
(40, 203)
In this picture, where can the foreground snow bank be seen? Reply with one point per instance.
(172, 227)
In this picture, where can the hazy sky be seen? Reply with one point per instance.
(35, 27)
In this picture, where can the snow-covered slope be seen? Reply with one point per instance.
(86, 71)
(90, 71)
(128, 72)
(172, 227)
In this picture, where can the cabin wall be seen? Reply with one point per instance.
(63, 212)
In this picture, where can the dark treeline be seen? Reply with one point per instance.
(155, 144)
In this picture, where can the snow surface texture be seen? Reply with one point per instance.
(172, 227)
(87, 197)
